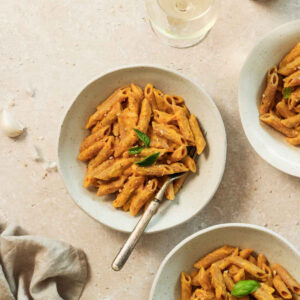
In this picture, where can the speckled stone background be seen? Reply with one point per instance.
(52, 48)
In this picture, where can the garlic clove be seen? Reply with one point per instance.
(10, 125)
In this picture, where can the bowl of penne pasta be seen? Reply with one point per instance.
(129, 129)
(229, 261)
(269, 98)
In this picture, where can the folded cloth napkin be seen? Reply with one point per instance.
(39, 268)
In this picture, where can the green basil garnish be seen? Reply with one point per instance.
(143, 137)
(244, 288)
(136, 150)
(149, 160)
(287, 93)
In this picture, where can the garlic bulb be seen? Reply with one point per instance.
(10, 125)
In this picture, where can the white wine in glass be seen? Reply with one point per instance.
(182, 23)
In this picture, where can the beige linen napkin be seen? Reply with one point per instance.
(39, 268)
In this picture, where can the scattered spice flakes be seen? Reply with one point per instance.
(45, 175)
(25, 165)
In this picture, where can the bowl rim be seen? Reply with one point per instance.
(210, 229)
(134, 66)
(267, 156)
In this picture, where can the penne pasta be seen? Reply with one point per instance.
(252, 259)
(200, 294)
(115, 170)
(287, 278)
(179, 154)
(264, 292)
(213, 257)
(248, 266)
(290, 67)
(290, 56)
(245, 253)
(202, 279)
(137, 92)
(281, 288)
(186, 286)
(145, 115)
(103, 155)
(177, 184)
(217, 281)
(268, 97)
(241, 278)
(93, 138)
(275, 122)
(169, 133)
(189, 163)
(199, 139)
(149, 151)
(91, 151)
(261, 260)
(118, 96)
(183, 124)
(228, 281)
(170, 195)
(163, 117)
(233, 270)
(294, 99)
(130, 186)
(157, 141)
(137, 138)
(149, 94)
(111, 187)
(291, 122)
(142, 195)
(240, 275)
(160, 169)
(283, 110)
(116, 129)
(292, 80)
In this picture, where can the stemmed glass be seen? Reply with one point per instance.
(182, 23)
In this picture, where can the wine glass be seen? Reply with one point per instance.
(182, 23)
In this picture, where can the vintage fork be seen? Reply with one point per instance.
(140, 227)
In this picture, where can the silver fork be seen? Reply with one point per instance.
(140, 227)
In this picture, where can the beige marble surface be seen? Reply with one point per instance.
(54, 47)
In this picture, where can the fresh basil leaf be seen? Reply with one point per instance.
(136, 150)
(287, 93)
(244, 288)
(149, 160)
(143, 137)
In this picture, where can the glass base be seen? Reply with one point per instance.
(177, 43)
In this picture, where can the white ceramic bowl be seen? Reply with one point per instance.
(198, 189)
(268, 143)
(166, 283)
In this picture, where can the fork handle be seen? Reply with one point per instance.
(135, 235)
